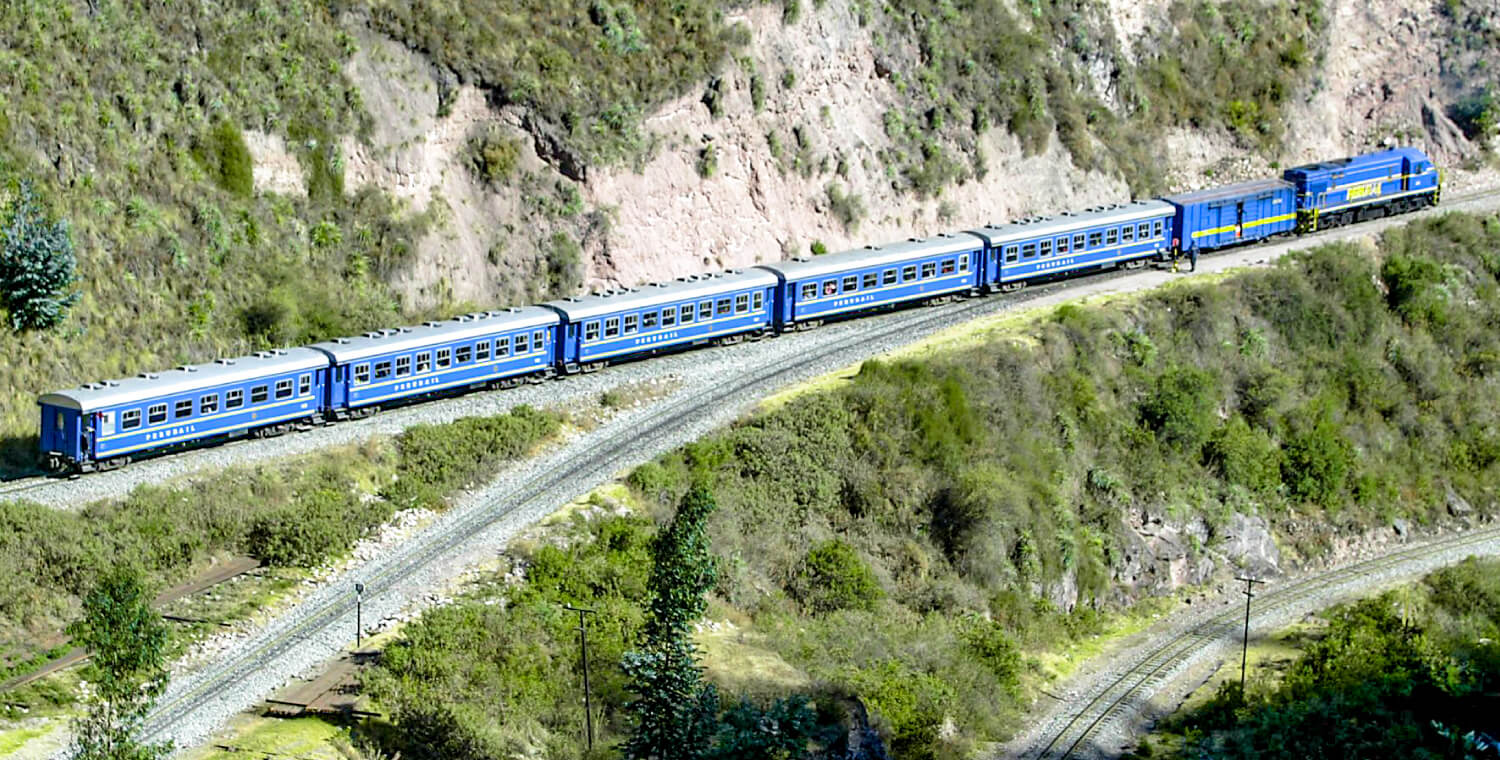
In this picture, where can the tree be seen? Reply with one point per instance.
(36, 263)
(675, 714)
(127, 671)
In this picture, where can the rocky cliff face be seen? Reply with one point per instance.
(769, 172)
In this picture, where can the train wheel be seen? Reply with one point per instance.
(589, 367)
(1011, 287)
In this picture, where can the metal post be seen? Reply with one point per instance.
(583, 640)
(1245, 645)
(359, 593)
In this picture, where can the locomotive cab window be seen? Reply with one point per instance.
(130, 420)
(809, 291)
(669, 316)
(741, 303)
(208, 404)
(444, 357)
(522, 347)
(631, 323)
(463, 354)
(304, 385)
(908, 273)
(724, 307)
(482, 351)
(234, 399)
(888, 277)
(591, 331)
(611, 327)
(687, 313)
(758, 300)
(361, 374)
(259, 394)
(929, 270)
(648, 320)
(424, 362)
(871, 280)
(183, 408)
(1111, 236)
(284, 388)
(851, 284)
(403, 366)
(157, 413)
(382, 370)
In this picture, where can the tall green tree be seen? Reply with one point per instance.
(127, 671)
(37, 265)
(675, 714)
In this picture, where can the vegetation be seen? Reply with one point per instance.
(1401, 675)
(36, 264)
(127, 671)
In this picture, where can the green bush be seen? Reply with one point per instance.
(1181, 408)
(1415, 290)
(226, 158)
(1244, 456)
(833, 577)
(37, 265)
(1318, 464)
(436, 459)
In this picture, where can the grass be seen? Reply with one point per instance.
(303, 738)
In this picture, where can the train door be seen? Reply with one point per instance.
(1239, 220)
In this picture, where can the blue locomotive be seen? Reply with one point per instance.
(105, 425)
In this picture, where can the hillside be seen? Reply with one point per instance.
(242, 174)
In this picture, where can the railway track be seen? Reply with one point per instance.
(1125, 695)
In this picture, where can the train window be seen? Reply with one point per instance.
(463, 354)
(1096, 239)
(870, 280)
(236, 398)
(1028, 251)
(304, 385)
(1062, 245)
(1127, 233)
(947, 267)
(830, 287)
(382, 370)
(669, 316)
(1111, 236)
(724, 306)
(444, 357)
(648, 320)
(183, 408)
(157, 413)
(809, 291)
(888, 277)
(631, 323)
(1156, 229)
(208, 404)
(908, 273)
(284, 388)
(1078, 242)
(1012, 253)
(361, 374)
(130, 420)
(522, 347)
(742, 303)
(259, 394)
(1045, 249)
(538, 339)
(963, 263)
(851, 284)
(403, 366)
(929, 270)
(611, 327)
(591, 331)
(482, 351)
(502, 347)
(757, 300)
(1144, 230)
(424, 362)
(687, 313)
(705, 310)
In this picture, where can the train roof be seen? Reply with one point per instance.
(1227, 192)
(1069, 221)
(185, 379)
(463, 327)
(661, 293)
(1319, 168)
(872, 256)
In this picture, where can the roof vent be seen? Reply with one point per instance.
(148, 375)
(404, 329)
(658, 284)
(513, 310)
(572, 299)
(434, 323)
(872, 247)
(225, 362)
(111, 383)
(341, 341)
(734, 271)
(464, 318)
(186, 368)
(374, 334)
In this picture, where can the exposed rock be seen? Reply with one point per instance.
(1402, 529)
(1457, 505)
(1248, 543)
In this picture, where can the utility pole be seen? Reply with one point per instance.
(583, 640)
(359, 594)
(1245, 647)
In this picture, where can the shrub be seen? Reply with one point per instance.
(494, 157)
(225, 156)
(818, 248)
(1318, 464)
(988, 643)
(848, 208)
(1244, 456)
(833, 577)
(1181, 409)
(36, 263)
(435, 459)
(708, 161)
(1414, 289)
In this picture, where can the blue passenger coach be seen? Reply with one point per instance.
(1045, 247)
(500, 348)
(814, 289)
(1335, 193)
(1223, 216)
(101, 425)
(617, 325)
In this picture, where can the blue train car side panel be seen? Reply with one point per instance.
(1223, 216)
(847, 282)
(390, 366)
(1403, 178)
(1046, 247)
(119, 418)
(663, 316)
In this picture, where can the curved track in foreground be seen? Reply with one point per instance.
(1121, 695)
(319, 626)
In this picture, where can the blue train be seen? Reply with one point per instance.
(105, 425)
